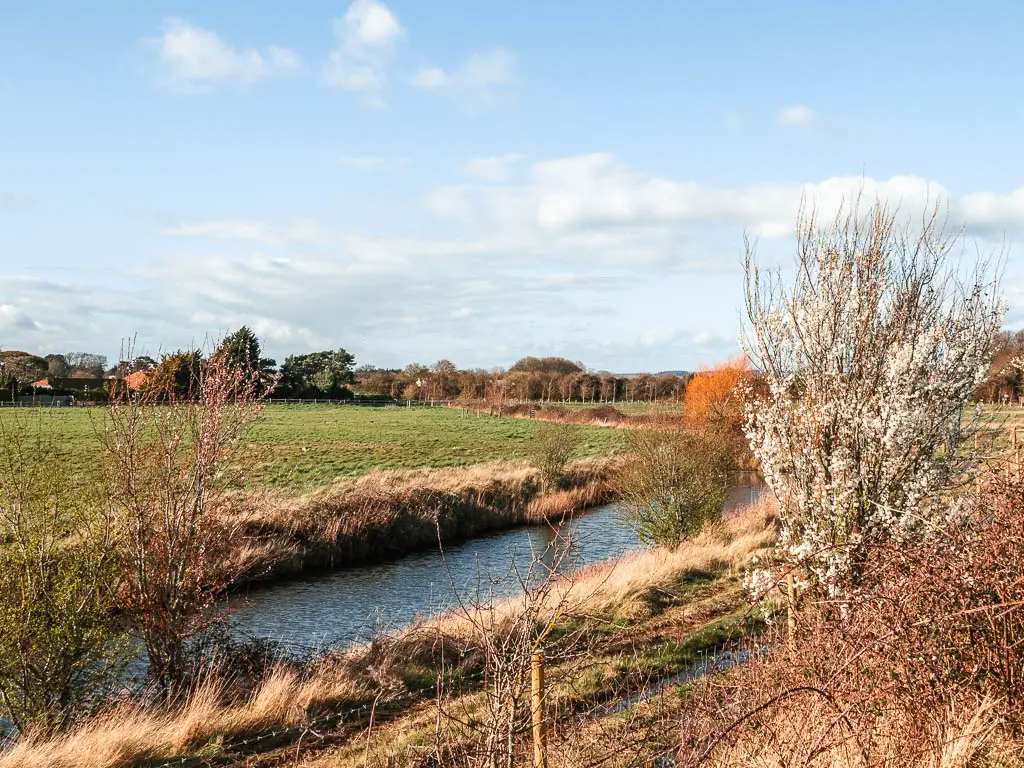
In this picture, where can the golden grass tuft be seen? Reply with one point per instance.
(131, 733)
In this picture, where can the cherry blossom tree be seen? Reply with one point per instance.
(867, 358)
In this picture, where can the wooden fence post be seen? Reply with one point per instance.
(540, 737)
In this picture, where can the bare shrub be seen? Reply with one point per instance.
(674, 483)
(489, 730)
(166, 457)
(920, 664)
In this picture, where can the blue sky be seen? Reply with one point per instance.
(470, 180)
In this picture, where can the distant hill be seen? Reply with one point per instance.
(674, 373)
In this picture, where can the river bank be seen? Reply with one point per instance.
(386, 514)
(639, 618)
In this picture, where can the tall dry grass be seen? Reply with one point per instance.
(130, 733)
(388, 513)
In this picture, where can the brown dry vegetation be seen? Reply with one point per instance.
(921, 665)
(604, 415)
(388, 513)
(674, 601)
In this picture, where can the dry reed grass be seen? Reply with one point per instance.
(388, 513)
(130, 733)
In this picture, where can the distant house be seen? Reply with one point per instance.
(41, 384)
(137, 380)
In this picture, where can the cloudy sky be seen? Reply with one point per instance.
(470, 180)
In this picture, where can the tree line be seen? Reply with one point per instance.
(332, 374)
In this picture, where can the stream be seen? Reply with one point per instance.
(349, 606)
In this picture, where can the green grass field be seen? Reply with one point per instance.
(299, 447)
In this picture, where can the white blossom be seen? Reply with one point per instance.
(867, 361)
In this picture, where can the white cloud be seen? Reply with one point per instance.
(13, 319)
(282, 58)
(368, 24)
(592, 193)
(496, 168)
(197, 59)
(994, 213)
(797, 115)
(367, 34)
(478, 84)
(585, 256)
(301, 233)
(430, 79)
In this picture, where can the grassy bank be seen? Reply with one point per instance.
(642, 617)
(388, 513)
(297, 448)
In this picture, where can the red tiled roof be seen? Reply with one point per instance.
(42, 384)
(136, 380)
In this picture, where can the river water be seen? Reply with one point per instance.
(348, 606)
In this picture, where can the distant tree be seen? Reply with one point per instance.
(21, 369)
(178, 374)
(376, 381)
(242, 351)
(317, 374)
(443, 379)
(641, 387)
(1005, 377)
(545, 365)
(86, 364)
(408, 378)
(56, 366)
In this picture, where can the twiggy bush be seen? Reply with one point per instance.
(919, 665)
(675, 482)
(58, 646)
(551, 449)
(166, 456)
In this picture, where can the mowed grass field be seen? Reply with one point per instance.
(299, 447)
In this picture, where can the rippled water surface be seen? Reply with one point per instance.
(346, 606)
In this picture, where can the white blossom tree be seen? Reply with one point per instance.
(867, 357)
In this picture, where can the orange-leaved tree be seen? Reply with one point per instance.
(713, 401)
